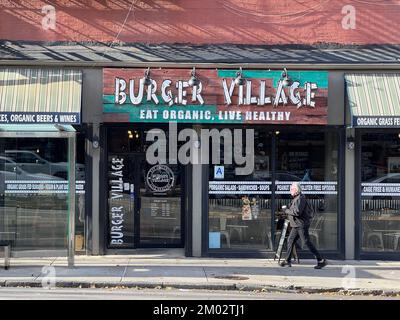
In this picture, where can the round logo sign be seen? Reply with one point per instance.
(160, 178)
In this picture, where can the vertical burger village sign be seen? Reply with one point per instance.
(257, 97)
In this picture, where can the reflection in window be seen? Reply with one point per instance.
(123, 140)
(35, 203)
(241, 219)
(34, 193)
(311, 158)
(380, 192)
(160, 214)
(240, 206)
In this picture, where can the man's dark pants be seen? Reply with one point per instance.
(302, 233)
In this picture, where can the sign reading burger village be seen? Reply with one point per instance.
(216, 96)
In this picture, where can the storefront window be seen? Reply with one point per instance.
(311, 158)
(380, 192)
(34, 192)
(240, 206)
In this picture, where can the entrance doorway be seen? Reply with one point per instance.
(144, 203)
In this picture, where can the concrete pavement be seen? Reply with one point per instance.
(160, 271)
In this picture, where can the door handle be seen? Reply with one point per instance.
(132, 190)
(133, 195)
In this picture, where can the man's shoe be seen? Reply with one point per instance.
(321, 264)
(285, 264)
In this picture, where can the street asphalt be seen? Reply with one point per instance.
(167, 294)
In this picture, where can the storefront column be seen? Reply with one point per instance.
(197, 204)
(331, 174)
(350, 202)
(72, 202)
(95, 154)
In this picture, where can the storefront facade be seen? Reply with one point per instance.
(318, 97)
(374, 129)
(204, 206)
(330, 130)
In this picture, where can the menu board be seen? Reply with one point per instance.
(160, 208)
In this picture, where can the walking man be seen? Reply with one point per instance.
(300, 214)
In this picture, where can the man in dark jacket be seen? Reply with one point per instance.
(299, 217)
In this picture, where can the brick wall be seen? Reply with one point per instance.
(203, 21)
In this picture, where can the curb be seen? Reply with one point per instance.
(216, 286)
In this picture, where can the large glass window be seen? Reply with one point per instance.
(380, 192)
(240, 206)
(311, 158)
(34, 193)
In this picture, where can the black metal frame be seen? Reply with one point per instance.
(204, 210)
(103, 205)
(357, 196)
(189, 212)
(342, 195)
(359, 254)
(88, 194)
(330, 254)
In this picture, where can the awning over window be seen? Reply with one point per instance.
(374, 99)
(40, 96)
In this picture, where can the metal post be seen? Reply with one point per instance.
(7, 256)
(95, 155)
(197, 199)
(71, 204)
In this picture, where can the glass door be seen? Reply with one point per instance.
(160, 205)
(121, 201)
(145, 203)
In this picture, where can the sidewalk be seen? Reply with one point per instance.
(159, 271)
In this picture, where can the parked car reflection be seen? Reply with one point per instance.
(388, 178)
(10, 171)
(33, 163)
